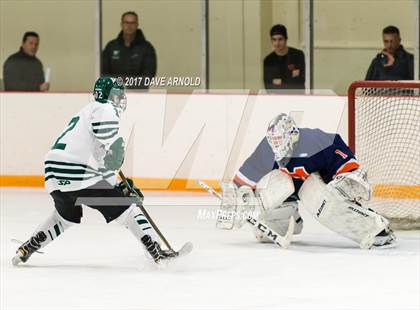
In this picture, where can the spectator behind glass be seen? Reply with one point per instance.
(393, 62)
(284, 68)
(22, 71)
(129, 55)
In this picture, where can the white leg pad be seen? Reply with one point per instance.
(135, 221)
(278, 220)
(343, 217)
(274, 188)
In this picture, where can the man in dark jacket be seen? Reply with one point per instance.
(130, 56)
(22, 71)
(393, 62)
(284, 68)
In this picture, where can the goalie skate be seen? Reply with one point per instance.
(384, 240)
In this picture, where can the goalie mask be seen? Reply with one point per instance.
(282, 133)
(110, 90)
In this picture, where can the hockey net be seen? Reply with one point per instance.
(384, 132)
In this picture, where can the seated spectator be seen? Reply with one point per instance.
(393, 62)
(23, 71)
(129, 55)
(284, 68)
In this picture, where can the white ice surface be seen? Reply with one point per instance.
(100, 266)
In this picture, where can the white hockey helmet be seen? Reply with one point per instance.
(282, 133)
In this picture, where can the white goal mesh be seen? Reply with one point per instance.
(384, 132)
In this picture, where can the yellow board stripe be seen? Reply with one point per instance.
(143, 183)
(396, 191)
(390, 191)
(22, 180)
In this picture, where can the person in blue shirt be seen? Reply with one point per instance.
(320, 170)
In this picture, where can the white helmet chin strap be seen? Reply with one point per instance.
(282, 134)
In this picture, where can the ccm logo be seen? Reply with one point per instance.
(318, 213)
(262, 228)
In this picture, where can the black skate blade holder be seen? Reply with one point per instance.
(20, 243)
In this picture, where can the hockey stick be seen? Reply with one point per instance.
(186, 248)
(267, 231)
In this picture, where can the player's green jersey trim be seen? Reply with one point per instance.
(75, 174)
(62, 163)
(104, 123)
(69, 178)
(69, 171)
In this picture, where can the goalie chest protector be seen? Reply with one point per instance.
(316, 151)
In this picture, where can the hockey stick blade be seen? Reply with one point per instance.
(266, 230)
(185, 250)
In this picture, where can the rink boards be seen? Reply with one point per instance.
(172, 138)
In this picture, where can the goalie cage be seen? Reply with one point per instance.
(384, 133)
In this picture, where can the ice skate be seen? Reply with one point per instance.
(28, 248)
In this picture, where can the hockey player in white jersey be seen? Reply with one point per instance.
(80, 170)
(315, 167)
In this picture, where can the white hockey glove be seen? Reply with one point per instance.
(352, 186)
(235, 206)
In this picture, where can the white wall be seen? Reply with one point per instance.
(181, 136)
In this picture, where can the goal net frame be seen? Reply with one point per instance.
(396, 207)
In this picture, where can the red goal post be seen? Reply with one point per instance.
(384, 133)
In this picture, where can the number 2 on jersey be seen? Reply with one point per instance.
(70, 126)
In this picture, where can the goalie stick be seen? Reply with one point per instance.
(185, 249)
(267, 231)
